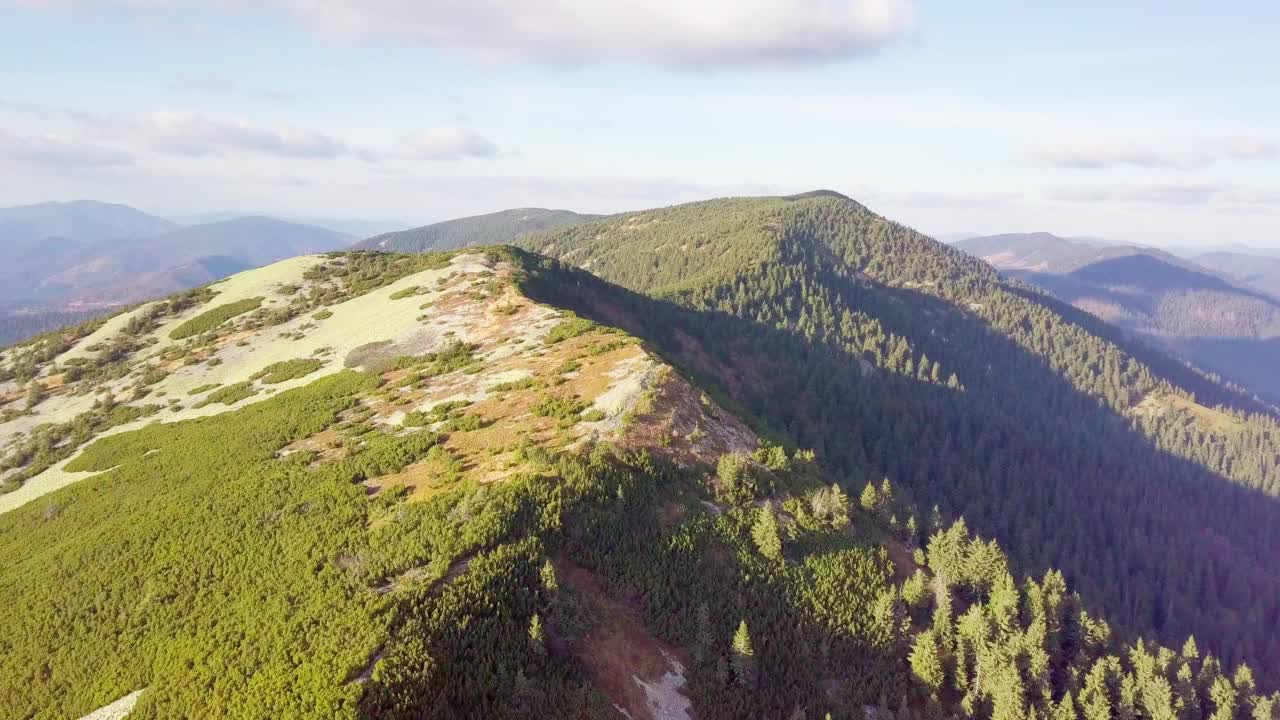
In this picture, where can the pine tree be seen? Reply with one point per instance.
(743, 656)
(870, 499)
(35, 393)
(1223, 696)
(839, 506)
(886, 495)
(1264, 707)
(736, 484)
(943, 613)
(1189, 649)
(926, 661)
(536, 635)
(550, 582)
(915, 589)
(765, 534)
(1065, 709)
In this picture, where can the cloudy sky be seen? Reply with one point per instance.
(1139, 120)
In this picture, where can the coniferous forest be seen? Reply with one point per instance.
(894, 356)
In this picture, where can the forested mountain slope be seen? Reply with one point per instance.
(493, 228)
(1214, 318)
(893, 355)
(408, 486)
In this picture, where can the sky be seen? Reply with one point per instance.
(1138, 121)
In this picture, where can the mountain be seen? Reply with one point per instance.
(1256, 271)
(119, 255)
(38, 240)
(1216, 320)
(356, 227)
(498, 227)
(133, 270)
(751, 457)
(1047, 253)
(46, 279)
(84, 221)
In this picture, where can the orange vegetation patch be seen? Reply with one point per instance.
(424, 480)
(640, 674)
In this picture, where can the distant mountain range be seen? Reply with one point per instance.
(1257, 270)
(499, 227)
(1220, 310)
(65, 260)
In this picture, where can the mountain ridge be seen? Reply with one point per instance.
(493, 483)
(492, 228)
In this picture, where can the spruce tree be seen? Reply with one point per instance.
(765, 534)
(536, 634)
(744, 660)
(926, 661)
(870, 499)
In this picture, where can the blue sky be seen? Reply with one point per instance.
(1153, 122)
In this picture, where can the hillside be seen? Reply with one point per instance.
(487, 484)
(900, 357)
(493, 228)
(1210, 316)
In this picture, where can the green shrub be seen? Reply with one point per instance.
(523, 384)
(153, 375)
(229, 395)
(465, 423)
(564, 409)
(212, 318)
(287, 370)
(407, 292)
(571, 328)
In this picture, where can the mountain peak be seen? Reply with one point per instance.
(820, 193)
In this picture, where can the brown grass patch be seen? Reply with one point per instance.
(618, 650)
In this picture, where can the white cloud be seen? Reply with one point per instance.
(1173, 154)
(1149, 193)
(672, 33)
(1095, 157)
(446, 142)
(196, 135)
(932, 199)
(1249, 148)
(59, 153)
